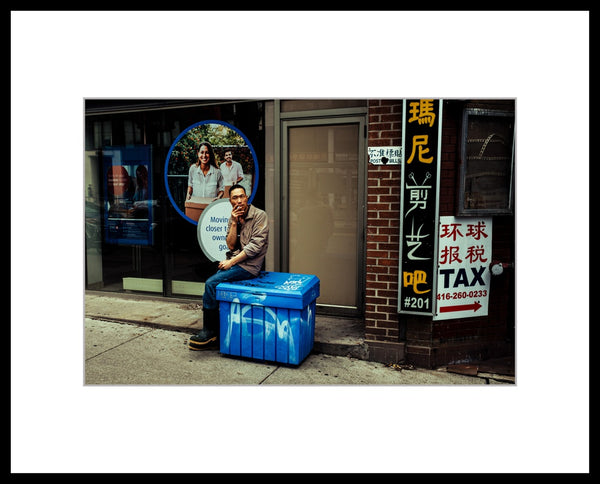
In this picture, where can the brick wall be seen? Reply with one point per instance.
(418, 339)
(383, 227)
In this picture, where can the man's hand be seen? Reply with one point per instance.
(238, 213)
(226, 264)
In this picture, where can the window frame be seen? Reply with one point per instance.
(508, 209)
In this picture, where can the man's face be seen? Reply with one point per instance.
(238, 199)
(228, 157)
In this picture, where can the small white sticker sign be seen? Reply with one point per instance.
(212, 229)
(385, 155)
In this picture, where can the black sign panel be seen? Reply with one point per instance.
(422, 120)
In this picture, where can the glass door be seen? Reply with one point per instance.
(324, 207)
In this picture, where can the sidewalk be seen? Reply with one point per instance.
(152, 349)
(334, 336)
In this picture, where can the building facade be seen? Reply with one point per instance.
(343, 182)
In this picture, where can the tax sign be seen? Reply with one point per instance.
(464, 256)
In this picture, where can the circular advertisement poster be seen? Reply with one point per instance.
(204, 161)
(212, 230)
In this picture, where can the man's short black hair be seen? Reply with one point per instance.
(237, 185)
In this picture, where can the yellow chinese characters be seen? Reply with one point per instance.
(421, 112)
(415, 278)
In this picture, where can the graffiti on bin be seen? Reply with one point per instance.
(293, 283)
(248, 298)
(239, 312)
(273, 331)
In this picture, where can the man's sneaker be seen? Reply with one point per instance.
(205, 339)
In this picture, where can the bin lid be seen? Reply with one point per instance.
(276, 289)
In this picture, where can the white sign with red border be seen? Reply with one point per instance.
(464, 256)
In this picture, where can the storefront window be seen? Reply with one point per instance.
(136, 240)
(486, 184)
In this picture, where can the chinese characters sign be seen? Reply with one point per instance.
(465, 250)
(385, 155)
(422, 123)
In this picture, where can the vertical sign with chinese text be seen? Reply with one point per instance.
(465, 252)
(419, 212)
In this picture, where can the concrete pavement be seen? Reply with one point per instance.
(118, 353)
(334, 336)
(139, 339)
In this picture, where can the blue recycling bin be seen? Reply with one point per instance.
(270, 317)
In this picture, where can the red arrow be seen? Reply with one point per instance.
(464, 307)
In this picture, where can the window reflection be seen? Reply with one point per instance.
(323, 208)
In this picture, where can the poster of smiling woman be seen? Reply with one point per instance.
(203, 162)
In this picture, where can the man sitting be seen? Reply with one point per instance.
(247, 239)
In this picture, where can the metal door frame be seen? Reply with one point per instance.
(356, 116)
